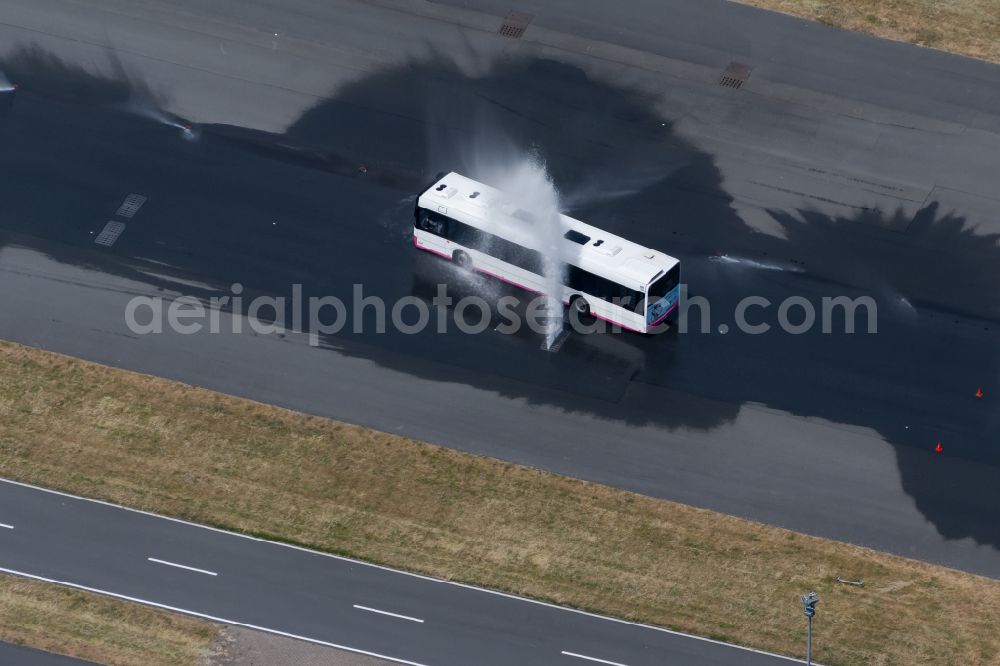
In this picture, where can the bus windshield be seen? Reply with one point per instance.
(659, 289)
(662, 294)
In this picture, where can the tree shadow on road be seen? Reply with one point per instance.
(359, 157)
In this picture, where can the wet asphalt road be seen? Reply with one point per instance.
(821, 177)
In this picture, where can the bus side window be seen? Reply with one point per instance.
(632, 300)
(433, 223)
(585, 281)
(532, 260)
(439, 226)
(469, 236)
(516, 254)
(504, 250)
(459, 233)
(570, 277)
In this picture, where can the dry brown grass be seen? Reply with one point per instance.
(966, 27)
(163, 446)
(97, 628)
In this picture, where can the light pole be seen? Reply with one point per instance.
(809, 602)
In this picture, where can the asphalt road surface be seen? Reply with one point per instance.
(843, 166)
(328, 600)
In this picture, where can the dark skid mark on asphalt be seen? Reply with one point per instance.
(264, 145)
(404, 122)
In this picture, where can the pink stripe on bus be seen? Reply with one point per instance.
(503, 279)
(535, 291)
(417, 245)
(617, 323)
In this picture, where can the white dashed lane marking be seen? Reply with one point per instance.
(382, 612)
(594, 659)
(183, 566)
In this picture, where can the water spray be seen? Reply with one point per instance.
(144, 107)
(7, 90)
(489, 155)
(528, 181)
(753, 263)
(189, 132)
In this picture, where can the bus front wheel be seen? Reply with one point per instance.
(462, 260)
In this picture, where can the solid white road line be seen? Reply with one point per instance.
(6, 526)
(211, 618)
(382, 612)
(599, 661)
(181, 566)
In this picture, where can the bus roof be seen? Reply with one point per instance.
(583, 245)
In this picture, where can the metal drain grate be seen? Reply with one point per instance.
(557, 343)
(515, 24)
(130, 206)
(735, 75)
(110, 233)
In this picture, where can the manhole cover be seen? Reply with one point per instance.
(735, 75)
(515, 24)
(110, 233)
(130, 206)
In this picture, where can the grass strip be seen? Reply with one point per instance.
(97, 628)
(965, 27)
(159, 445)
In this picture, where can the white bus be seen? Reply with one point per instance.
(606, 276)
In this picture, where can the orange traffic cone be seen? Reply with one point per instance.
(979, 392)
(938, 448)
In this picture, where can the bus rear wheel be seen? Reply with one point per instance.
(581, 307)
(462, 260)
